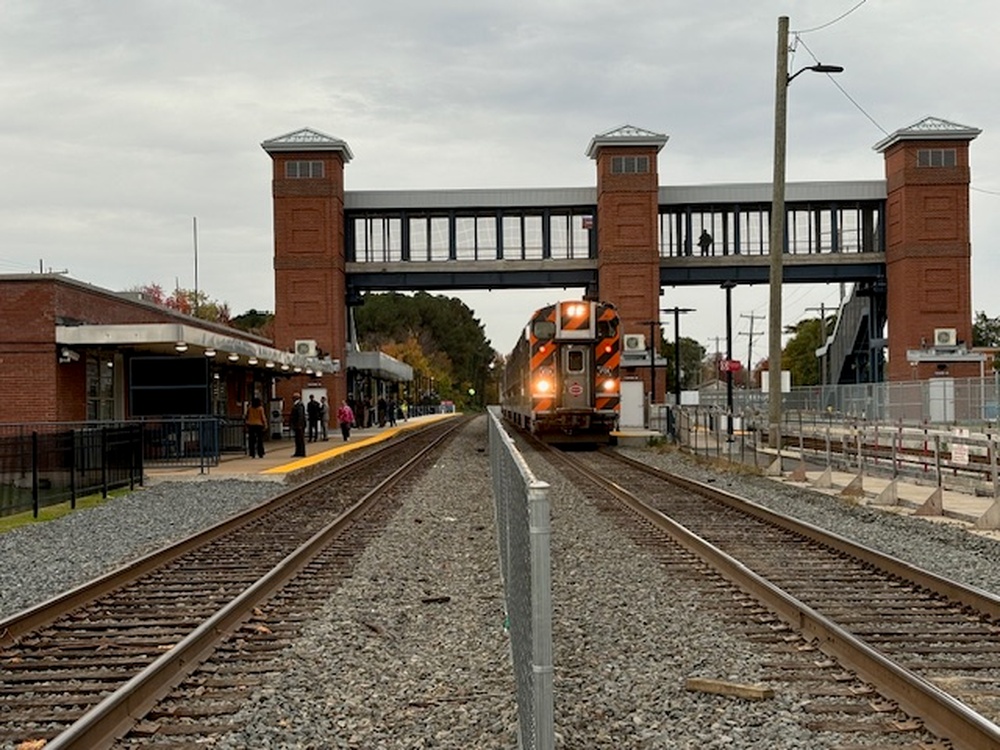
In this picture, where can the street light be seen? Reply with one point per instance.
(777, 240)
(653, 346)
(728, 286)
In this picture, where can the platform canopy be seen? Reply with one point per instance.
(178, 338)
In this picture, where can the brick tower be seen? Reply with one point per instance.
(308, 200)
(928, 251)
(628, 261)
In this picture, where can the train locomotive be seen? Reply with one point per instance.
(561, 382)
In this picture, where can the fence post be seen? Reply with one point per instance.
(993, 463)
(937, 459)
(34, 474)
(104, 462)
(72, 469)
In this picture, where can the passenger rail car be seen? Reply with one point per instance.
(561, 382)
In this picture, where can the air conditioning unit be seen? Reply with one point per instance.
(305, 347)
(945, 337)
(635, 342)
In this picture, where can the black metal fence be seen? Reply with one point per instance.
(51, 463)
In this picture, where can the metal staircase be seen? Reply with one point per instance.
(852, 352)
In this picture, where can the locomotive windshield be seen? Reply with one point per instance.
(606, 328)
(544, 329)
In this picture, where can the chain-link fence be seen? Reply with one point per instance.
(522, 521)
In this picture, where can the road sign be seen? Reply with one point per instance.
(730, 365)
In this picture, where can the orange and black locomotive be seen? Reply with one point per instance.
(561, 382)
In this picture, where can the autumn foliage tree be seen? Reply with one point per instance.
(439, 337)
(188, 302)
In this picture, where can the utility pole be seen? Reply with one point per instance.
(824, 359)
(750, 335)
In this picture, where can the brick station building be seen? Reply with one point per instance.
(73, 352)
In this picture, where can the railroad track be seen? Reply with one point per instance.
(196, 623)
(928, 645)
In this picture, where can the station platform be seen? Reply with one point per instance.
(905, 495)
(279, 465)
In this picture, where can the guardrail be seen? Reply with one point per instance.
(951, 457)
(522, 513)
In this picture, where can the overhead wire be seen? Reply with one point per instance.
(841, 17)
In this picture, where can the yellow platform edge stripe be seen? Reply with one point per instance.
(346, 446)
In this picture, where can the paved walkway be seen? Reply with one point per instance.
(278, 462)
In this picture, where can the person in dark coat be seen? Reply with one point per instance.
(297, 422)
(314, 412)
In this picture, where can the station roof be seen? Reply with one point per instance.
(929, 129)
(626, 135)
(179, 338)
(307, 139)
(380, 365)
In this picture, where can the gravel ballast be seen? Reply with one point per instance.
(411, 651)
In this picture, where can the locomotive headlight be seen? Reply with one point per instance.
(543, 385)
(610, 385)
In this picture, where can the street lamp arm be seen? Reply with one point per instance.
(817, 68)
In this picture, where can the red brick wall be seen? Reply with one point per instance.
(309, 279)
(628, 264)
(928, 253)
(34, 386)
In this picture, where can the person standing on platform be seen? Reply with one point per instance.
(256, 426)
(392, 406)
(297, 421)
(313, 413)
(345, 416)
(324, 417)
(705, 242)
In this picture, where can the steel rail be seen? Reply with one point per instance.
(975, 598)
(940, 712)
(118, 712)
(44, 613)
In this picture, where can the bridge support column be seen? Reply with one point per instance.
(628, 260)
(928, 250)
(309, 279)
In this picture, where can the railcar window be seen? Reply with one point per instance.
(544, 329)
(605, 328)
(574, 361)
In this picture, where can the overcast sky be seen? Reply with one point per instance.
(124, 119)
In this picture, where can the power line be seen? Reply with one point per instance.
(841, 17)
(842, 90)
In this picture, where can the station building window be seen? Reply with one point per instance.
(936, 157)
(300, 170)
(100, 387)
(629, 164)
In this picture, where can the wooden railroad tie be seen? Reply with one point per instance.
(722, 687)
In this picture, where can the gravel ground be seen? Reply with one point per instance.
(41, 560)
(379, 668)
